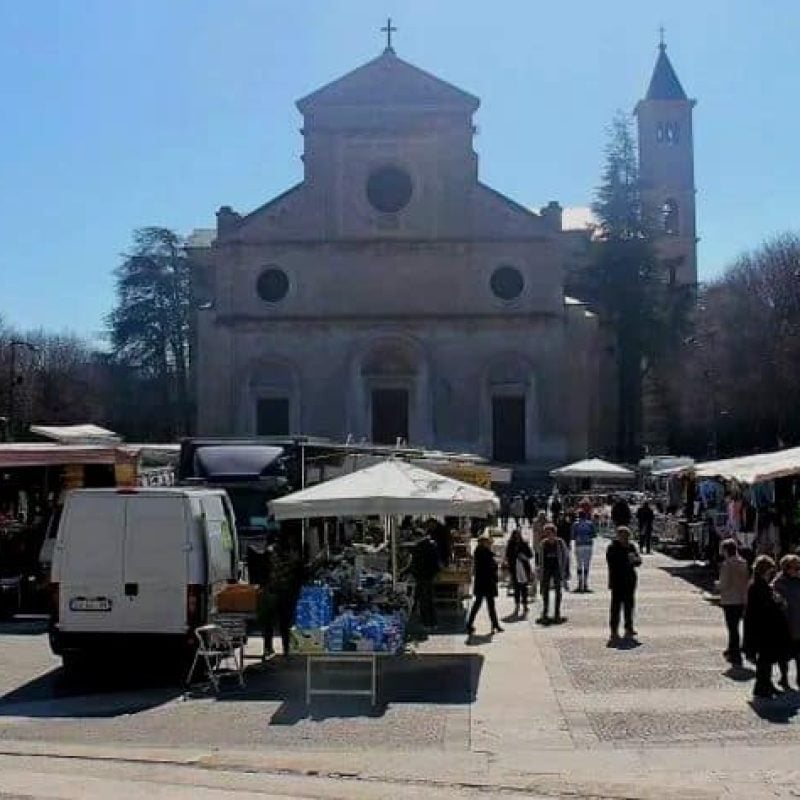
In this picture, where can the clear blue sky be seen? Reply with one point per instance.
(156, 112)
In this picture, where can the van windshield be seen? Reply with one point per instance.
(250, 509)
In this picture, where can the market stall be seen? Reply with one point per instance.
(755, 499)
(351, 611)
(592, 472)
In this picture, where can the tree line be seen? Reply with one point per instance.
(137, 382)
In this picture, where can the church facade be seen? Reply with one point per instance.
(391, 295)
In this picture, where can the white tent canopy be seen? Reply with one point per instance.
(592, 468)
(76, 434)
(753, 469)
(390, 488)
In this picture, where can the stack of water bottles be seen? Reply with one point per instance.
(368, 631)
(314, 607)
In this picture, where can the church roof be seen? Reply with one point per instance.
(664, 85)
(388, 80)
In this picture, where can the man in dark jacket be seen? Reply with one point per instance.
(485, 583)
(424, 567)
(645, 518)
(622, 558)
(766, 631)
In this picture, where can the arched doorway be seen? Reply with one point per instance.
(389, 375)
(272, 399)
(510, 409)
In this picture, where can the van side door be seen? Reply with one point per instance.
(219, 544)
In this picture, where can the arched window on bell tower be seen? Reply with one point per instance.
(670, 220)
(666, 164)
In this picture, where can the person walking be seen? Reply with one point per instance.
(765, 627)
(555, 506)
(517, 509)
(787, 587)
(505, 504)
(484, 583)
(734, 579)
(564, 532)
(584, 533)
(554, 570)
(536, 541)
(645, 518)
(621, 512)
(530, 508)
(622, 558)
(518, 558)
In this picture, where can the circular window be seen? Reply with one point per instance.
(506, 283)
(272, 285)
(389, 189)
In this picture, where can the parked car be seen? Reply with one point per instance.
(138, 566)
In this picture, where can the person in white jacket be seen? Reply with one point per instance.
(734, 579)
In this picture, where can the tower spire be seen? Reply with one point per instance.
(664, 85)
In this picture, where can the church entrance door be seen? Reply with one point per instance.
(508, 429)
(389, 415)
(272, 416)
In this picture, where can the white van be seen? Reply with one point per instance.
(131, 565)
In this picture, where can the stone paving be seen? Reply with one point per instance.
(539, 706)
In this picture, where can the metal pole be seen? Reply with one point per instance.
(12, 377)
(393, 535)
(304, 522)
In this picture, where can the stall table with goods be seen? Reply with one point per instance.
(356, 609)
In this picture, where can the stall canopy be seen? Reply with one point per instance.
(592, 468)
(753, 469)
(390, 488)
(76, 434)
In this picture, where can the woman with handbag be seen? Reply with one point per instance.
(518, 560)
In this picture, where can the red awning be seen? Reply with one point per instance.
(46, 454)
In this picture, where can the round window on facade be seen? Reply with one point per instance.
(507, 283)
(272, 285)
(389, 189)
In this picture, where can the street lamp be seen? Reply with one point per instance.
(13, 380)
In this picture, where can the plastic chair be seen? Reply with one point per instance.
(215, 646)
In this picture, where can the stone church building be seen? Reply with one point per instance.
(391, 295)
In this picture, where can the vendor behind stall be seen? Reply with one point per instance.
(425, 566)
(280, 577)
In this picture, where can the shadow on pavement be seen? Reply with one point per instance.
(697, 574)
(740, 674)
(24, 626)
(623, 644)
(437, 679)
(102, 692)
(780, 710)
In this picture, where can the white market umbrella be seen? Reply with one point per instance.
(592, 468)
(390, 488)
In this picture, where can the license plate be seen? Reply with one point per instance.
(90, 604)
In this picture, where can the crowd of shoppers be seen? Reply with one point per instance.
(545, 562)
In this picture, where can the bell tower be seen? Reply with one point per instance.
(666, 168)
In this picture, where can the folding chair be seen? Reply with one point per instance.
(215, 646)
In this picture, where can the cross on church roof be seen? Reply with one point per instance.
(389, 29)
(662, 44)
